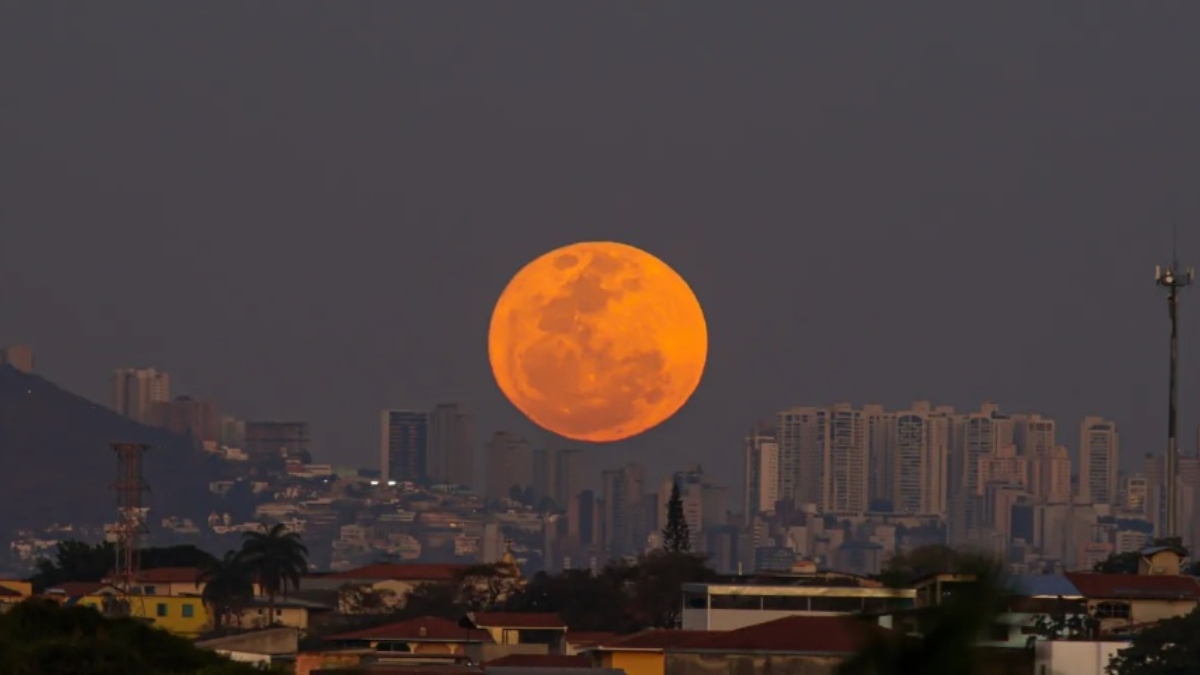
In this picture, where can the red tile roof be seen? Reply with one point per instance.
(656, 640)
(536, 620)
(539, 661)
(401, 572)
(169, 575)
(589, 638)
(791, 634)
(424, 629)
(1097, 586)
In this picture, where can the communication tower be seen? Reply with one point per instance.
(130, 487)
(1173, 279)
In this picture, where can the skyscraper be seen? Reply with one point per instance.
(918, 442)
(451, 447)
(1099, 455)
(135, 391)
(624, 490)
(276, 439)
(404, 436)
(975, 438)
(509, 464)
(845, 480)
(568, 475)
(762, 472)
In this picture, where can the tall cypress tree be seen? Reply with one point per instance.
(676, 538)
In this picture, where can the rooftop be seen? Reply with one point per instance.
(654, 640)
(1094, 585)
(791, 634)
(424, 629)
(532, 620)
(539, 661)
(1041, 585)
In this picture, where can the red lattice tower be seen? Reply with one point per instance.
(131, 525)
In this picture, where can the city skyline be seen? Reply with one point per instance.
(865, 220)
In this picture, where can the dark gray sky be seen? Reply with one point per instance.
(306, 210)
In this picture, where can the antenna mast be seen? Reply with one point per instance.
(1173, 279)
(129, 486)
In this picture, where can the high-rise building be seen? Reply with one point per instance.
(545, 472)
(1099, 456)
(509, 465)
(1049, 464)
(624, 491)
(568, 475)
(918, 442)
(233, 432)
(135, 391)
(802, 434)
(276, 439)
(403, 444)
(19, 357)
(975, 438)
(845, 479)
(762, 472)
(451, 447)
(189, 417)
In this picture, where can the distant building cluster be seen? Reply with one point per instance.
(999, 482)
(833, 486)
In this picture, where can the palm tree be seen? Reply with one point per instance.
(227, 584)
(949, 630)
(277, 558)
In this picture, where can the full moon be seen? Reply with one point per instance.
(598, 341)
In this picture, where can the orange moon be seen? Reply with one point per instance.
(598, 341)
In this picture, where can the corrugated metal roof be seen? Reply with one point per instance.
(1033, 585)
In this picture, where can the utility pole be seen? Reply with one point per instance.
(1173, 279)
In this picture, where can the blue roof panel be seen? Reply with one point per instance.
(1030, 585)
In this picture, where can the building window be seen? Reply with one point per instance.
(692, 600)
(736, 601)
(1112, 610)
(785, 603)
(188, 611)
(149, 590)
(161, 609)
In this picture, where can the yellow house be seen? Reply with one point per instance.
(641, 653)
(13, 591)
(18, 586)
(169, 581)
(182, 615)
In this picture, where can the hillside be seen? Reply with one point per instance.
(57, 466)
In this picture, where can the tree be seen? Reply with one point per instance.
(77, 561)
(585, 600)
(949, 630)
(40, 637)
(1127, 563)
(484, 587)
(657, 585)
(182, 555)
(1168, 648)
(228, 586)
(74, 561)
(277, 558)
(360, 599)
(903, 568)
(676, 538)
